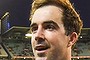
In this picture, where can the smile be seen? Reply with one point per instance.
(41, 48)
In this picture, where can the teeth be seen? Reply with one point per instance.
(40, 47)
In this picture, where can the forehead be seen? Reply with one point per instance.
(49, 12)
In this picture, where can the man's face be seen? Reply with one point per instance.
(49, 41)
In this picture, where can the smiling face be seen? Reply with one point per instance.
(49, 41)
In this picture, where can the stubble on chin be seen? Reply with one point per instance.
(41, 58)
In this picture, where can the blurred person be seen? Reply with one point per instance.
(55, 27)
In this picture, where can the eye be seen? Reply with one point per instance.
(50, 27)
(34, 29)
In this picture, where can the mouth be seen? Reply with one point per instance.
(42, 47)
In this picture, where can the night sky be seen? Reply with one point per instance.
(19, 11)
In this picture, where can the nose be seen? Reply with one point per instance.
(39, 35)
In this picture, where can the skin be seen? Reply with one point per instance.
(49, 41)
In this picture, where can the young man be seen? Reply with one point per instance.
(55, 27)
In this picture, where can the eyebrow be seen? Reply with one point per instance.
(49, 22)
(32, 24)
(52, 22)
(45, 22)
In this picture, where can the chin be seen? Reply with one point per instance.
(41, 58)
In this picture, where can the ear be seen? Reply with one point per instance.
(73, 38)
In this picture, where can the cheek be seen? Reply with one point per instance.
(33, 42)
(56, 39)
(52, 38)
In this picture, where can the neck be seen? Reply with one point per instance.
(69, 54)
